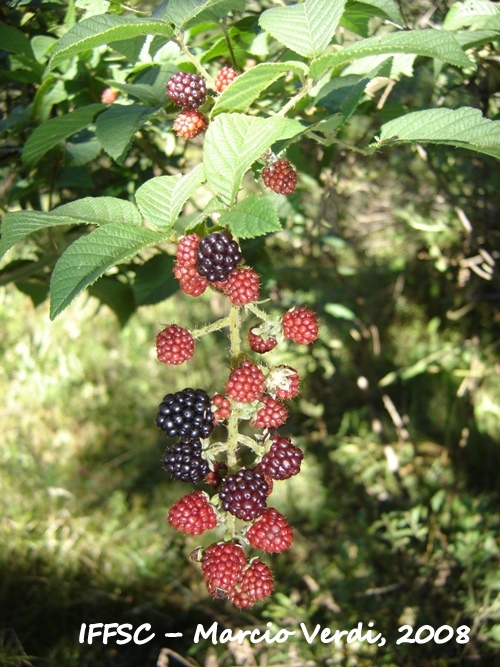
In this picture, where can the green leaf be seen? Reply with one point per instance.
(254, 216)
(464, 128)
(51, 132)
(388, 7)
(142, 92)
(103, 30)
(430, 43)
(115, 128)
(181, 12)
(89, 257)
(339, 311)
(469, 38)
(88, 211)
(247, 87)
(99, 211)
(345, 93)
(154, 280)
(477, 13)
(82, 152)
(357, 15)
(161, 199)
(305, 28)
(116, 295)
(14, 41)
(234, 142)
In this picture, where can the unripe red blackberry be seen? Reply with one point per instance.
(300, 325)
(244, 494)
(280, 177)
(246, 383)
(242, 287)
(186, 413)
(186, 90)
(271, 532)
(174, 345)
(255, 583)
(185, 462)
(223, 78)
(283, 459)
(185, 267)
(190, 123)
(193, 514)
(259, 344)
(109, 95)
(217, 256)
(271, 415)
(222, 565)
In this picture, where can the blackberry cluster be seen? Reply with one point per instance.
(185, 462)
(186, 414)
(186, 90)
(244, 494)
(217, 256)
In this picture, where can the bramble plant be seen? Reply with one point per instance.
(248, 83)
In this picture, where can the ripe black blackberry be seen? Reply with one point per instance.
(217, 256)
(185, 462)
(186, 414)
(186, 90)
(244, 494)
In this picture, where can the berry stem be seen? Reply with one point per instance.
(234, 333)
(261, 314)
(209, 328)
(179, 40)
(232, 441)
(306, 87)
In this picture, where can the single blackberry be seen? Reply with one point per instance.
(174, 345)
(222, 565)
(223, 78)
(185, 462)
(300, 325)
(193, 514)
(283, 459)
(255, 583)
(186, 413)
(190, 123)
(244, 494)
(186, 90)
(271, 415)
(280, 177)
(242, 287)
(271, 532)
(217, 256)
(259, 344)
(245, 383)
